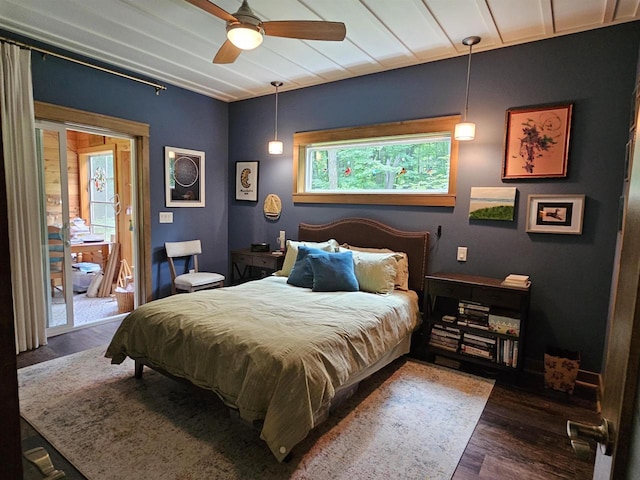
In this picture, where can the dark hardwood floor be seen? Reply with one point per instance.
(521, 433)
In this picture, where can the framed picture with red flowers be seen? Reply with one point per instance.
(537, 142)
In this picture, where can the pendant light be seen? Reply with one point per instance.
(275, 146)
(467, 130)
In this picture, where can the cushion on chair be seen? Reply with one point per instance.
(187, 281)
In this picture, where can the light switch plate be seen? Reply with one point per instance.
(462, 254)
(166, 217)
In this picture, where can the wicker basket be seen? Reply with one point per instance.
(125, 301)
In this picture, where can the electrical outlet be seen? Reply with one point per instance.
(166, 217)
(462, 254)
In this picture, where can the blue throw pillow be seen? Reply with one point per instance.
(301, 274)
(333, 272)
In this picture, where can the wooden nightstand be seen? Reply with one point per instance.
(250, 265)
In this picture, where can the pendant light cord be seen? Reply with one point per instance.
(275, 137)
(276, 84)
(466, 101)
(470, 41)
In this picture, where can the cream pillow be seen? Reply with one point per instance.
(402, 270)
(292, 253)
(376, 272)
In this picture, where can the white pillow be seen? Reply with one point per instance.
(292, 253)
(402, 269)
(376, 272)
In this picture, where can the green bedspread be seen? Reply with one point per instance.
(273, 351)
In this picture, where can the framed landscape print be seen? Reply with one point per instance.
(492, 203)
(184, 177)
(555, 214)
(247, 181)
(537, 142)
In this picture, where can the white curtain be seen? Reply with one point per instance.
(23, 204)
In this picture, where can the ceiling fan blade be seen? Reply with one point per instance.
(213, 9)
(306, 29)
(227, 54)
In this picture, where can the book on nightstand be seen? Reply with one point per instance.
(514, 280)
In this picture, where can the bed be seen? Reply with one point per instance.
(281, 356)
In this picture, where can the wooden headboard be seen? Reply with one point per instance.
(363, 232)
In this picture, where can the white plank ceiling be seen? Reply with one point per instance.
(174, 42)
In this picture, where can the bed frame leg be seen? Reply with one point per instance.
(138, 369)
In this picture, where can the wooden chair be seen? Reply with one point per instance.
(56, 257)
(194, 280)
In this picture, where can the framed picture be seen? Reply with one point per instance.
(247, 181)
(492, 203)
(184, 177)
(537, 142)
(555, 214)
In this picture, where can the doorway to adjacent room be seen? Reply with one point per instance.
(87, 193)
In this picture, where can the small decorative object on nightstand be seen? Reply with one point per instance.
(250, 265)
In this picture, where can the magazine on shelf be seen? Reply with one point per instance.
(505, 324)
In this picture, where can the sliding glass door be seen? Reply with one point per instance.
(90, 242)
(51, 142)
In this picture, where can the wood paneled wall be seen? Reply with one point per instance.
(52, 186)
(76, 142)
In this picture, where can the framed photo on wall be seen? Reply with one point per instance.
(247, 181)
(537, 142)
(184, 177)
(555, 214)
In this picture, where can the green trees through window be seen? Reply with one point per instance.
(410, 163)
(418, 164)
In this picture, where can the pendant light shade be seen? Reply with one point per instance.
(465, 130)
(275, 146)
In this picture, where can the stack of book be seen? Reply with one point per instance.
(507, 352)
(514, 280)
(445, 337)
(473, 315)
(478, 346)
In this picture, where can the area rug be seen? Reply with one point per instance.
(410, 420)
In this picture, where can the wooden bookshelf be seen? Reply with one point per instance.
(476, 320)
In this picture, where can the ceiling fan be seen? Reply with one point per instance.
(245, 30)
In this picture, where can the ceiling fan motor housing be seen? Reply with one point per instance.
(246, 16)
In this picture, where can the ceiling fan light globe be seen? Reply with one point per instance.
(245, 37)
(276, 147)
(464, 131)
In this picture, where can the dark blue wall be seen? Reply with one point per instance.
(176, 117)
(571, 274)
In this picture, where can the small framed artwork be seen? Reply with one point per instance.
(184, 177)
(555, 214)
(247, 181)
(537, 142)
(492, 203)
